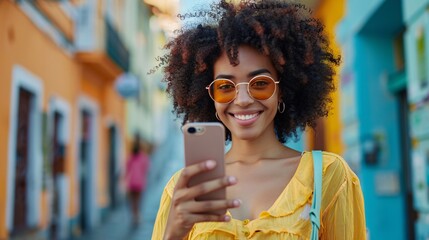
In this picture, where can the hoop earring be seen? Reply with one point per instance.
(281, 107)
(217, 116)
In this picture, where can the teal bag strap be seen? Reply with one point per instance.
(317, 195)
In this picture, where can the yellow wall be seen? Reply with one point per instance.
(53, 10)
(22, 43)
(43, 58)
(330, 12)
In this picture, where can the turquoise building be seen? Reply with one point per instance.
(385, 112)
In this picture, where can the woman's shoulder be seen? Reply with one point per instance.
(334, 164)
(334, 167)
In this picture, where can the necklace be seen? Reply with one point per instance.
(244, 162)
(259, 160)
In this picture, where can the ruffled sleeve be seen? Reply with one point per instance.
(164, 208)
(344, 215)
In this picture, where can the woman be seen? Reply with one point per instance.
(136, 172)
(268, 71)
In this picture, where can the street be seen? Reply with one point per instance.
(165, 161)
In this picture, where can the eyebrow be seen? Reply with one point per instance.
(250, 75)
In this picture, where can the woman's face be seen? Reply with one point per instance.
(245, 117)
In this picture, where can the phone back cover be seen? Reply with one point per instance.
(207, 145)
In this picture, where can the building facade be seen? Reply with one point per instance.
(384, 104)
(328, 133)
(416, 19)
(148, 25)
(62, 121)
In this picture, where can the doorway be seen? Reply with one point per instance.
(24, 181)
(113, 172)
(59, 129)
(58, 150)
(411, 213)
(22, 160)
(86, 161)
(84, 176)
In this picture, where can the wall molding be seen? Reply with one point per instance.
(85, 103)
(21, 78)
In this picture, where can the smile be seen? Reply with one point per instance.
(246, 116)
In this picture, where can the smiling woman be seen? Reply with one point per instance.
(263, 69)
(249, 117)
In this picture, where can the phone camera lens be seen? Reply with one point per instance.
(192, 130)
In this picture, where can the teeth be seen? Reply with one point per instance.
(245, 117)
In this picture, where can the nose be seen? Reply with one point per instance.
(243, 98)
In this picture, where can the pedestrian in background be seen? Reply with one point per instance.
(265, 70)
(136, 173)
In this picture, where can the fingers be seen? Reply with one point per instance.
(189, 194)
(193, 170)
(211, 186)
(187, 221)
(210, 218)
(185, 211)
(189, 213)
(209, 206)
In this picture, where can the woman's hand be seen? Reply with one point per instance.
(185, 211)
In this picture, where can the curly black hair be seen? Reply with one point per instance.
(294, 41)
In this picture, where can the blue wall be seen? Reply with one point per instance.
(378, 115)
(369, 32)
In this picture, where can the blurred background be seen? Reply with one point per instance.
(80, 78)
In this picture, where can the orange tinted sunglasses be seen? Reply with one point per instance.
(260, 87)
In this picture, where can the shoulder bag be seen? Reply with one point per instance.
(317, 195)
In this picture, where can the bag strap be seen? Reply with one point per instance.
(317, 195)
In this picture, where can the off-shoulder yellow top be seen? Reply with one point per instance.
(342, 209)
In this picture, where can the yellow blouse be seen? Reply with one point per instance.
(342, 209)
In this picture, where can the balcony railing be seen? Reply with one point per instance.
(98, 43)
(115, 47)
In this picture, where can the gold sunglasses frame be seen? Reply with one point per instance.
(243, 83)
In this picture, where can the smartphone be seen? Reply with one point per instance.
(206, 141)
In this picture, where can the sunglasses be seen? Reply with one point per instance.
(260, 87)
